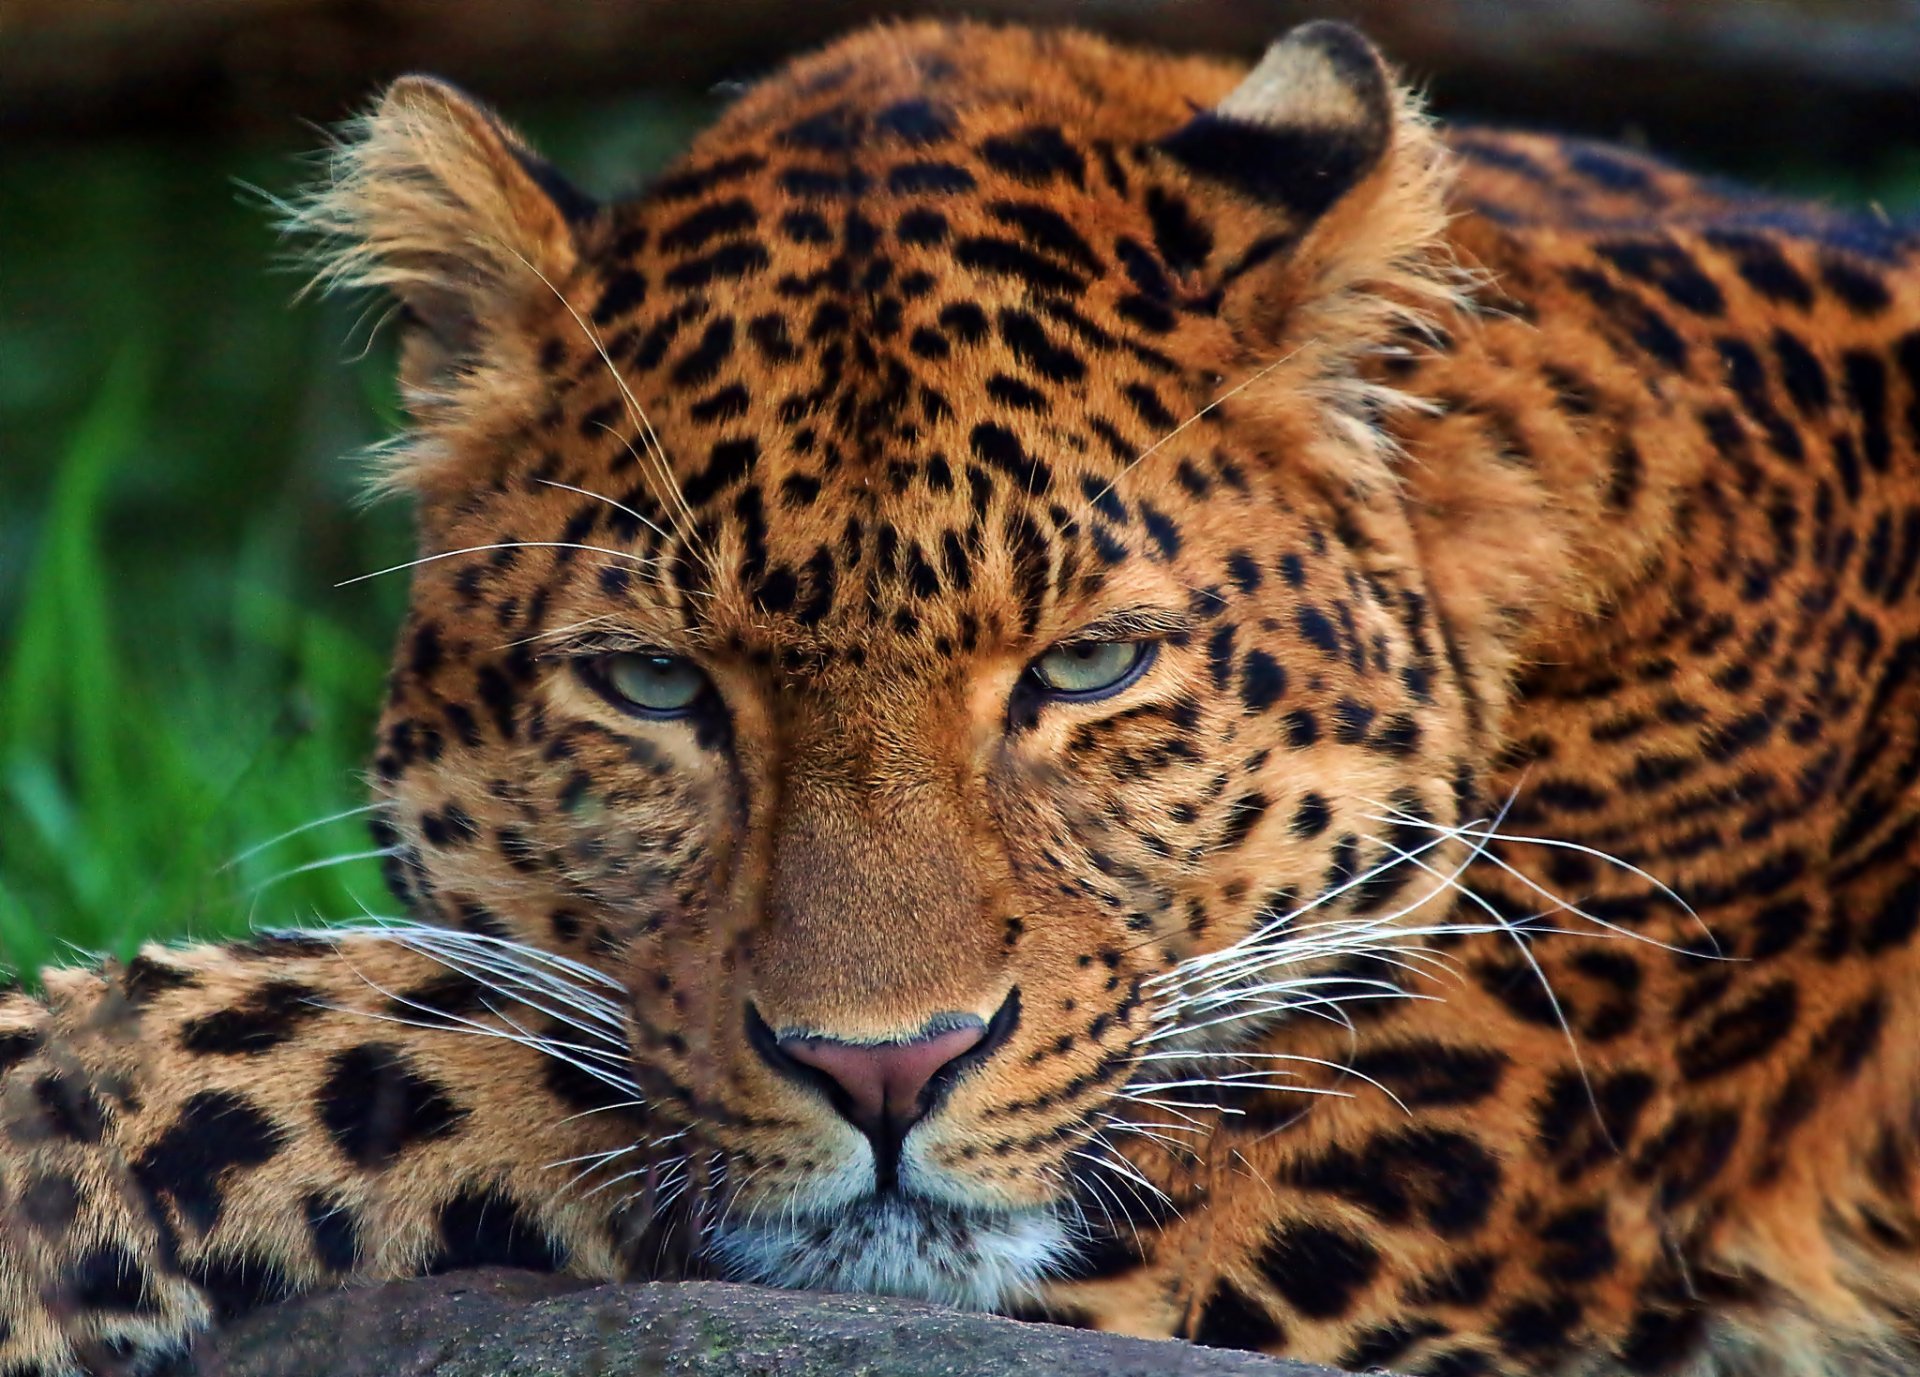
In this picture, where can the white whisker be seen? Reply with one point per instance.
(324, 863)
(636, 413)
(602, 497)
(340, 816)
(1194, 419)
(498, 545)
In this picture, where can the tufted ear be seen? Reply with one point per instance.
(1304, 127)
(1336, 181)
(433, 199)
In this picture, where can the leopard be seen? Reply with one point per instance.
(1105, 686)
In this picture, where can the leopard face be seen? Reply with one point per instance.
(908, 597)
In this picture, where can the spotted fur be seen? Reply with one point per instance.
(1481, 941)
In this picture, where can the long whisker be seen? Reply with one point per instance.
(635, 412)
(1192, 420)
(1563, 905)
(340, 816)
(440, 1020)
(559, 632)
(500, 545)
(1283, 923)
(324, 863)
(1546, 985)
(602, 497)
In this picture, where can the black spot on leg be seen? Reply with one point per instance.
(16, 1046)
(1465, 1281)
(1233, 1319)
(482, 1227)
(334, 1232)
(109, 1278)
(237, 1283)
(376, 1104)
(49, 1201)
(1377, 1346)
(1317, 1269)
(218, 1131)
(266, 1018)
(69, 1107)
(144, 979)
(1536, 1328)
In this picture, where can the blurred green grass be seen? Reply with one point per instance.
(181, 680)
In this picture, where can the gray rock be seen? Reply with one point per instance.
(513, 1324)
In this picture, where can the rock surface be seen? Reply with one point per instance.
(514, 1324)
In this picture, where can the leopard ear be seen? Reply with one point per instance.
(1304, 128)
(433, 199)
(1334, 182)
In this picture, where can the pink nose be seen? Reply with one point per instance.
(884, 1082)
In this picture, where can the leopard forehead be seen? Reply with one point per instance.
(909, 344)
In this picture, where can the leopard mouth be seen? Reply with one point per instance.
(896, 1243)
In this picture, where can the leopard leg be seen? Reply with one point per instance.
(209, 1128)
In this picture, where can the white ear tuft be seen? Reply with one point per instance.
(1303, 128)
(433, 199)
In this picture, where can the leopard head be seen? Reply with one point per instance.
(919, 601)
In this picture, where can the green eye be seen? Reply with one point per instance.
(652, 685)
(1092, 669)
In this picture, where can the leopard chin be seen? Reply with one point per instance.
(900, 1244)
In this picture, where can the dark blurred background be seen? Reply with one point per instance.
(182, 680)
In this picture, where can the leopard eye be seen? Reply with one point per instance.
(651, 685)
(1092, 669)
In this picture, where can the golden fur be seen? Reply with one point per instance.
(1480, 939)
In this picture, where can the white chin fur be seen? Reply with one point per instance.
(895, 1246)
